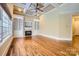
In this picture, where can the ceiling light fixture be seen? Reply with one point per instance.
(19, 9)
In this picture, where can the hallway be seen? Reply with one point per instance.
(38, 46)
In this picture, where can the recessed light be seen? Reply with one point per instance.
(19, 9)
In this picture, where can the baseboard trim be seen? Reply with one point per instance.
(53, 37)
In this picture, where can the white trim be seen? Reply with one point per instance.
(4, 40)
(54, 37)
(7, 47)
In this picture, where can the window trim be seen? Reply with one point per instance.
(8, 22)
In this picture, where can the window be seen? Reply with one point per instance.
(0, 29)
(5, 25)
(18, 23)
(0, 25)
(36, 25)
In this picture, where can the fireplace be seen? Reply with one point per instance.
(28, 33)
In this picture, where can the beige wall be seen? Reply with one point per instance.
(57, 23)
(76, 25)
(48, 25)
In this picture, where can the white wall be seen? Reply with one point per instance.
(57, 23)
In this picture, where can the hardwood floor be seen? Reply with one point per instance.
(38, 46)
(76, 41)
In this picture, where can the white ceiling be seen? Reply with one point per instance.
(30, 8)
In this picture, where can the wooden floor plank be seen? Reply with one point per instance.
(37, 46)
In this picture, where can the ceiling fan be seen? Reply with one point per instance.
(34, 8)
(38, 6)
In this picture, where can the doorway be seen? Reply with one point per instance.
(75, 33)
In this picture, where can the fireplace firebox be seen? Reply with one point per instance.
(28, 33)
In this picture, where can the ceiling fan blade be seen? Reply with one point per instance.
(40, 9)
(37, 7)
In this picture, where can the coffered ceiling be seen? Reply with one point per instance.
(35, 9)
